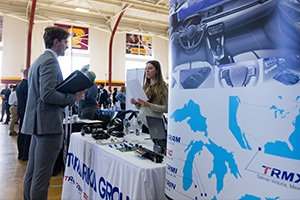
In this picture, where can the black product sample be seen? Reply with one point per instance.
(115, 128)
(75, 82)
(101, 135)
(91, 128)
(96, 130)
(151, 155)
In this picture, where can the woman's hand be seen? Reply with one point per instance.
(133, 101)
(144, 103)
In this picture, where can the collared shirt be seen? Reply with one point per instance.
(13, 99)
(53, 52)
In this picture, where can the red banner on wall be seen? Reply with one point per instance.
(80, 36)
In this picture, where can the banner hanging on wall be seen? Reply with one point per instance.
(138, 44)
(80, 36)
(234, 111)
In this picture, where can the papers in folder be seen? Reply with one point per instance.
(75, 82)
(136, 90)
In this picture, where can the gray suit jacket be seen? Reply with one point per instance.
(45, 106)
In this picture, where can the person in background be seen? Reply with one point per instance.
(23, 140)
(103, 95)
(13, 103)
(85, 68)
(44, 114)
(88, 106)
(5, 106)
(114, 94)
(156, 90)
(121, 96)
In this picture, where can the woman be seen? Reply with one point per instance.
(156, 90)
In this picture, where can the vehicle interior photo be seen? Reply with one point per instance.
(221, 32)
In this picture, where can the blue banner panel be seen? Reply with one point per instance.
(234, 110)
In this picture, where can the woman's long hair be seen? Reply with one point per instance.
(157, 91)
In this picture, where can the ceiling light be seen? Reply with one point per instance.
(83, 10)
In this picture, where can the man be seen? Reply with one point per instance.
(121, 96)
(5, 106)
(13, 105)
(103, 95)
(88, 106)
(23, 139)
(44, 114)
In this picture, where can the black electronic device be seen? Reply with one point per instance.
(158, 133)
(115, 128)
(101, 135)
(147, 153)
(91, 128)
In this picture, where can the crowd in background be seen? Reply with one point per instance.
(41, 106)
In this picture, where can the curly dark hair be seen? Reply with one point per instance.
(52, 33)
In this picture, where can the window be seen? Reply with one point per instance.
(72, 61)
(1, 42)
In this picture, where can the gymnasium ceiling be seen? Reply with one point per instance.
(142, 16)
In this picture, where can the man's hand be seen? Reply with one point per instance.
(80, 95)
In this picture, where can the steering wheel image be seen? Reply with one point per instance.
(191, 32)
(238, 75)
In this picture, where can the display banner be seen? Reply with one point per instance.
(80, 36)
(234, 109)
(138, 44)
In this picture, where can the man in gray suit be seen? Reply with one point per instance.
(44, 114)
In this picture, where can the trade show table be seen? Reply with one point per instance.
(101, 171)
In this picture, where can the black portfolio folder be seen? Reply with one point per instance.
(75, 82)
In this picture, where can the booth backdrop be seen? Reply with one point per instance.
(234, 115)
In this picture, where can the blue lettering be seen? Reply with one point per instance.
(76, 165)
(171, 185)
(102, 190)
(108, 191)
(79, 188)
(275, 172)
(70, 157)
(172, 169)
(287, 176)
(115, 193)
(298, 180)
(71, 179)
(84, 174)
(93, 180)
(174, 138)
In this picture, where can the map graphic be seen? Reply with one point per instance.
(224, 163)
(287, 149)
